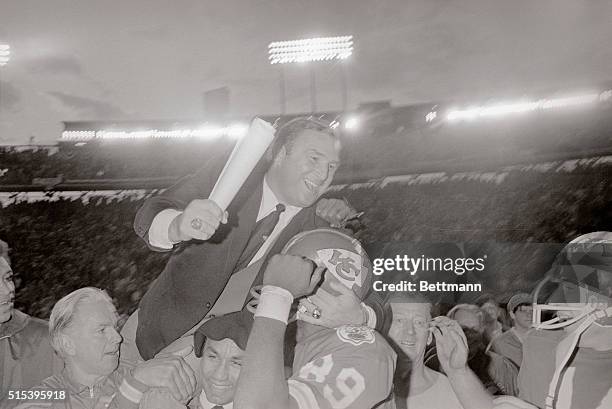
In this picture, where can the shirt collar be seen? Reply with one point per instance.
(72, 386)
(269, 202)
(205, 403)
(18, 321)
(76, 388)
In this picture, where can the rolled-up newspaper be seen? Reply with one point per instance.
(247, 152)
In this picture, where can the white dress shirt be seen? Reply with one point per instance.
(207, 405)
(158, 232)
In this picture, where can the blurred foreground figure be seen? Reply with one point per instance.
(84, 334)
(26, 356)
(567, 358)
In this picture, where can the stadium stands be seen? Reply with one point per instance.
(63, 242)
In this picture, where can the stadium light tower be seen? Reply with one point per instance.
(308, 51)
(5, 56)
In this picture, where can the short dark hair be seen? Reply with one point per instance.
(287, 133)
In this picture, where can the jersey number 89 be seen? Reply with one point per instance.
(348, 382)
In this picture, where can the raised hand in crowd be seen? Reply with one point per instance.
(169, 371)
(295, 274)
(199, 220)
(452, 350)
(451, 344)
(335, 211)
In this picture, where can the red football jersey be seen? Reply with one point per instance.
(347, 367)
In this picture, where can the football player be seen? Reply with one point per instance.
(567, 358)
(346, 367)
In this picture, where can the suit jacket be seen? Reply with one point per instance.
(198, 271)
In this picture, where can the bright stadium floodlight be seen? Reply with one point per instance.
(502, 109)
(5, 54)
(310, 50)
(237, 131)
(233, 131)
(351, 124)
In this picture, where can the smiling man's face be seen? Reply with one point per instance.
(303, 171)
(220, 368)
(410, 328)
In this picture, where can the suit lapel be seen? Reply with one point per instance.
(299, 223)
(295, 226)
(243, 210)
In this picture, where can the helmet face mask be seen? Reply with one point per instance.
(578, 286)
(578, 289)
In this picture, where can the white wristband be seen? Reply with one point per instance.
(274, 303)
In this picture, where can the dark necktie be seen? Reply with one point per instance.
(260, 234)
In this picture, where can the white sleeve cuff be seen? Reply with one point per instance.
(274, 303)
(158, 232)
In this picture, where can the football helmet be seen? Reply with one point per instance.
(341, 255)
(578, 286)
(578, 291)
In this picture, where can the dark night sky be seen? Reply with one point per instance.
(153, 59)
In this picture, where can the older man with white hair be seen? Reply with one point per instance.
(83, 330)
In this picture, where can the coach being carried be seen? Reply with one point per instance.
(218, 255)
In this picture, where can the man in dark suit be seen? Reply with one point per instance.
(216, 257)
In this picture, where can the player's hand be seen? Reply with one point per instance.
(336, 310)
(199, 220)
(169, 371)
(295, 274)
(335, 211)
(451, 344)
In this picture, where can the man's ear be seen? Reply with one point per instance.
(67, 345)
(282, 153)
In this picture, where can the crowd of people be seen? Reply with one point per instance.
(269, 303)
(60, 244)
(121, 160)
(59, 238)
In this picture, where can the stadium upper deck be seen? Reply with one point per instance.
(379, 140)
